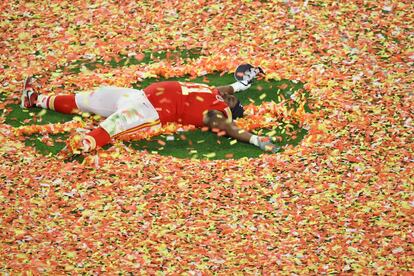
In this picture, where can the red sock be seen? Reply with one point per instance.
(101, 137)
(61, 103)
(65, 104)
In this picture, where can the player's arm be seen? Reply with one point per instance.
(226, 90)
(216, 120)
(233, 88)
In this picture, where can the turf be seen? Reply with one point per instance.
(191, 144)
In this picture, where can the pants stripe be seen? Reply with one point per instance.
(128, 131)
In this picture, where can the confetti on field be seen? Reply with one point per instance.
(341, 202)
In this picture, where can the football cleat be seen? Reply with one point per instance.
(29, 95)
(246, 73)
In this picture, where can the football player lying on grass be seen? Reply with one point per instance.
(129, 110)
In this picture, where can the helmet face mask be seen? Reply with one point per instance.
(246, 73)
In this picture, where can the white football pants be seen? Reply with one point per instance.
(127, 110)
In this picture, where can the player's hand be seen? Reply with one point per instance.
(265, 144)
(79, 143)
(240, 86)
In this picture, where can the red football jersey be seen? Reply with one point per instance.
(185, 102)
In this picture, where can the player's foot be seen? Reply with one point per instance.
(29, 95)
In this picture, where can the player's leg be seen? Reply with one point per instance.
(61, 103)
(135, 113)
(102, 101)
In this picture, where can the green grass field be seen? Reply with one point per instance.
(190, 144)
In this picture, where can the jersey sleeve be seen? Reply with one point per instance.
(223, 108)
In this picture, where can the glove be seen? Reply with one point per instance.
(80, 143)
(264, 143)
(267, 145)
(240, 86)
